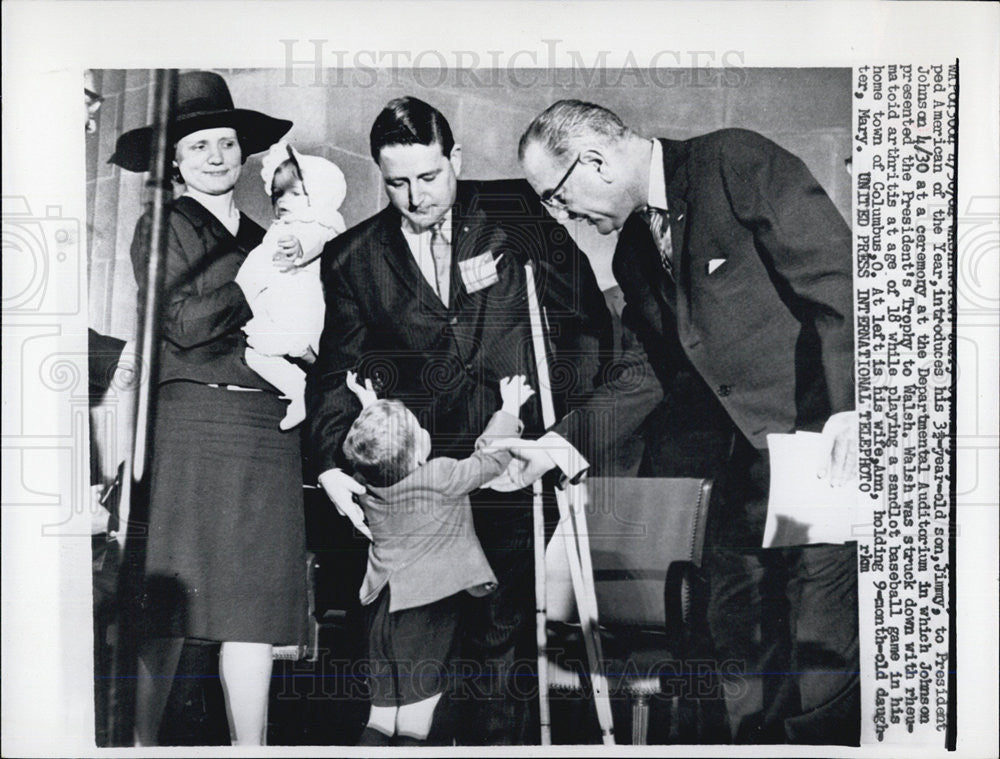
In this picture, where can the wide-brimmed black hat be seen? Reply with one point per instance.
(203, 102)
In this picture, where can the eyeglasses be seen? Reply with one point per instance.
(549, 198)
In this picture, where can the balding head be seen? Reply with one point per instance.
(584, 163)
(561, 127)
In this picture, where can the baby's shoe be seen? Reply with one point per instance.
(295, 414)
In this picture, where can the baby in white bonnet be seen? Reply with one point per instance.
(281, 275)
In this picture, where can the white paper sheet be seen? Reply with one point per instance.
(804, 508)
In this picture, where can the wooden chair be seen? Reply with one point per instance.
(646, 536)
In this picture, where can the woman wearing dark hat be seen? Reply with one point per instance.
(225, 554)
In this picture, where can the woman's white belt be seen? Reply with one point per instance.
(237, 388)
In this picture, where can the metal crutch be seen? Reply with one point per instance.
(569, 509)
(541, 616)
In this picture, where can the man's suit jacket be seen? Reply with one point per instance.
(385, 321)
(762, 303)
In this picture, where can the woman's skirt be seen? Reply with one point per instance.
(225, 555)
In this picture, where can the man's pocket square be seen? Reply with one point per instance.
(714, 264)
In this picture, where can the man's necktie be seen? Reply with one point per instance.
(659, 227)
(441, 250)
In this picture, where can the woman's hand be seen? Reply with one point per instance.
(262, 337)
(256, 272)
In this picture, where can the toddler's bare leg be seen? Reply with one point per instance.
(285, 376)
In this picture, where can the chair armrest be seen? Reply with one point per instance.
(677, 604)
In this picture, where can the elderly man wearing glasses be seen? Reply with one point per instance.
(733, 260)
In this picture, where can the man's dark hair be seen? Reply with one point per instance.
(410, 121)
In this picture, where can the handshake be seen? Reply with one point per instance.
(531, 459)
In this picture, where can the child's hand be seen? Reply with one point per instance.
(365, 394)
(289, 252)
(514, 392)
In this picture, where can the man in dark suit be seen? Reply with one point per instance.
(427, 299)
(734, 261)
